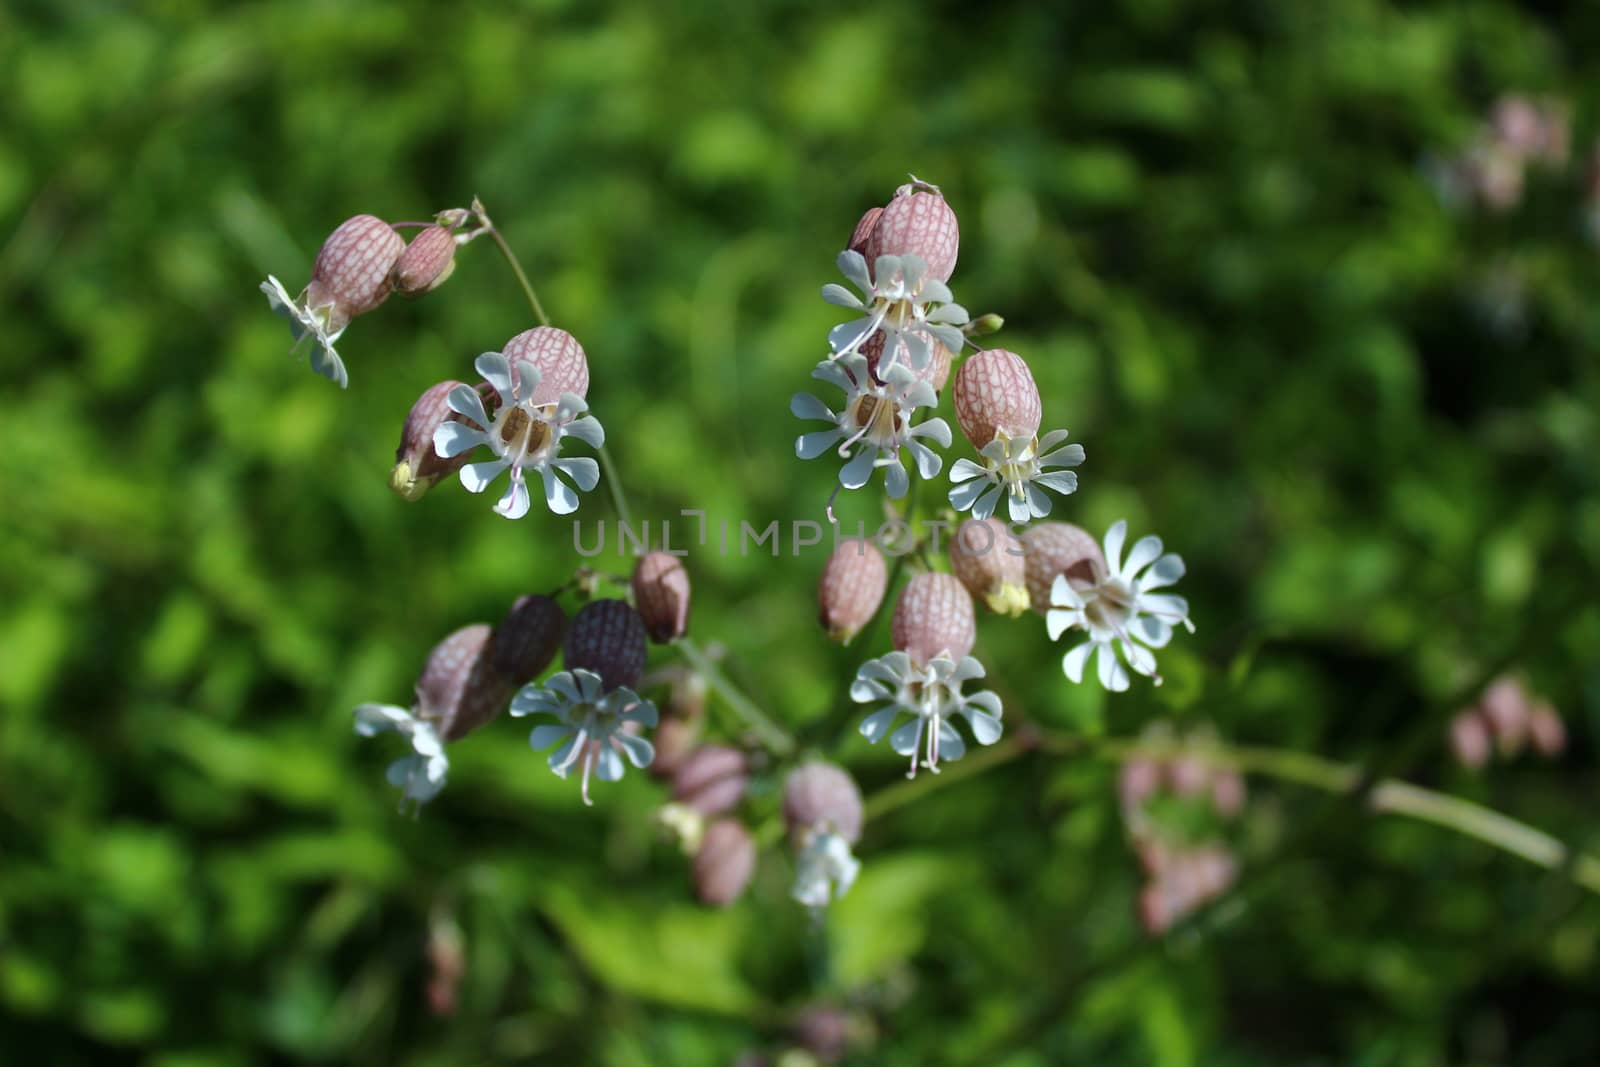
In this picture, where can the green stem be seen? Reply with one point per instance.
(516, 266)
(771, 734)
(619, 499)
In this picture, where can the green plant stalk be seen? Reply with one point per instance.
(775, 737)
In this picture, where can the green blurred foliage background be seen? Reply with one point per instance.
(1367, 420)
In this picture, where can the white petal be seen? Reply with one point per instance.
(838, 372)
(1063, 482)
(1153, 631)
(609, 765)
(587, 429)
(962, 497)
(838, 294)
(1058, 622)
(936, 430)
(1139, 658)
(1112, 675)
(477, 476)
(569, 684)
(896, 481)
(986, 729)
(849, 336)
(558, 494)
(453, 438)
(1145, 550)
(514, 503)
(806, 406)
(853, 265)
(874, 726)
(465, 401)
(1114, 538)
(1169, 607)
(584, 471)
(373, 719)
(527, 382)
(927, 460)
(1162, 572)
(964, 469)
(985, 505)
(1070, 456)
(1073, 662)
(858, 471)
(812, 445)
(326, 362)
(640, 753)
(951, 746)
(904, 740)
(495, 370)
(544, 735)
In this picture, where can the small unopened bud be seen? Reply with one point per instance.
(995, 394)
(1137, 782)
(562, 365)
(418, 466)
(459, 690)
(991, 563)
(1228, 793)
(661, 593)
(934, 617)
(725, 863)
(528, 638)
(1055, 548)
(820, 795)
(711, 779)
(862, 234)
(427, 261)
(1470, 739)
(918, 222)
(674, 740)
(984, 325)
(353, 267)
(851, 588)
(607, 637)
(1505, 705)
(1548, 732)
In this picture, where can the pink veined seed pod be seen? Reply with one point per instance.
(459, 690)
(992, 565)
(917, 222)
(1054, 548)
(851, 588)
(417, 466)
(352, 268)
(661, 593)
(936, 373)
(934, 617)
(607, 637)
(528, 638)
(862, 234)
(725, 863)
(994, 394)
(822, 795)
(1470, 739)
(1548, 732)
(563, 367)
(711, 779)
(427, 261)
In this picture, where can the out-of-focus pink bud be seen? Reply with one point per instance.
(725, 863)
(562, 365)
(1228, 793)
(427, 261)
(1470, 739)
(995, 394)
(851, 588)
(661, 592)
(353, 267)
(607, 637)
(1189, 775)
(1137, 782)
(824, 1031)
(674, 740)
(459, 689)
(917, 222)
(992, 565)
(711, 779)
(1548, 732)
(528, 638)
(417, 466)
(934, 617)
(1505, 706)
(1055, 548)
(822, 795)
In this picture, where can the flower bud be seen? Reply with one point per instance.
(674, 740)
(427, 261)
(459, 690)
(417, 466)
(712, 779)
(994, 394)
(863, 232)
(936, 373)
(352, 268)
(661, 593)
(990, 562)
(607, 637)
(725, 863)
(1227, 793)
(851, 588)
(1548, 732)
(563, 368)
(917, 222)
(1505, 706)
(1470, 739)
(1137, 782)
(822, 795)
(1055, 548)
(528, 638)
(984, 325)
(933, 617)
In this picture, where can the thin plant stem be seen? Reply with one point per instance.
(775, 737)
(619, 499)
(516, 266)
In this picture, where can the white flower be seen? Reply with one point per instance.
(875, 422)
(523, 437)
(1017, 467)
(314, 324)
(932, 696)
(1120, 609)
(824, 870)
(591, 723)
(906, 304)
(422, 775)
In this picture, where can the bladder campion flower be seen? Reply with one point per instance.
(908, 307)
(873, 424)
(997, 405)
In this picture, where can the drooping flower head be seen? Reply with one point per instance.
(539, 384)
(906, 306)
(992, 565)
(595, 709)
(997, 405)
(418, 467)
(1120, 610)
(351, 276)
(934, 630)
(1056, 548)
(874, 424)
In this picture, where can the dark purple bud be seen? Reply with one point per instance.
(459, 690)
(607, 637)
(529, 638)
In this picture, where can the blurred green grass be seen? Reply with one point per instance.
(1208, 229)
